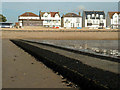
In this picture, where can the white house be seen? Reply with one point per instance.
(71, 20)
(29, 19)
(113, 20)
(94, 19)
(50, 19)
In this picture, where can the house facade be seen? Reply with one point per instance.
(50, 19)
(71, 20)
(113, 20)
(29, 19)
(94, 19)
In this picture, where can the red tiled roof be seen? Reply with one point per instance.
(52, 13)
(112, 13)
(71, 15)
(30, 19)
(29, 14)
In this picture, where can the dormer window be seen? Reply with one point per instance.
(101, 16)
(93, 15)
(115, 16)
(56, 15)
(88, 16)
(45, 15)
(97, 15)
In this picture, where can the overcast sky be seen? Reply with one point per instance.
(13, 9)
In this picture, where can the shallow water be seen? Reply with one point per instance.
(103, 47)
(104, 44)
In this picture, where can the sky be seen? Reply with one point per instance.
(13, 9)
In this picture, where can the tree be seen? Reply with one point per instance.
(2, 18)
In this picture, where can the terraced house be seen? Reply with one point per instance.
(29, 19)
(113, 20)
(94, 19)
(50, 19)
(71, 20)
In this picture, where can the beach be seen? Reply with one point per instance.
(21, 70)
(49, 35)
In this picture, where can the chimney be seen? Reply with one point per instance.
(63, 15)
(79, 14)
(40, 14)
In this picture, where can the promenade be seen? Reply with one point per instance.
(21, 70)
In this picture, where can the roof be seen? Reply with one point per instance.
(27, 14)
(112, 13)
(71, 15)
(52, 13)
(30, 19)
(94, 12)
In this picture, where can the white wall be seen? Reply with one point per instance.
(72, 21)
(20, 23)
(95, 22)
(115, 20)
(51, 21)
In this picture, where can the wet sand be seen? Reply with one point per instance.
(20, 70)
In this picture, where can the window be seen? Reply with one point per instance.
(45, 15)
(101, 16)
(89, 24)
(66, 21)
(115, 21)
(101, 21)
(93, 22)
(93, 15)
(97, 15)
(56, 21)
(89, 21)
(115, 16)
(101, 24)
(78, 20)
(88, 16)
(96, 22)
(56, 14)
